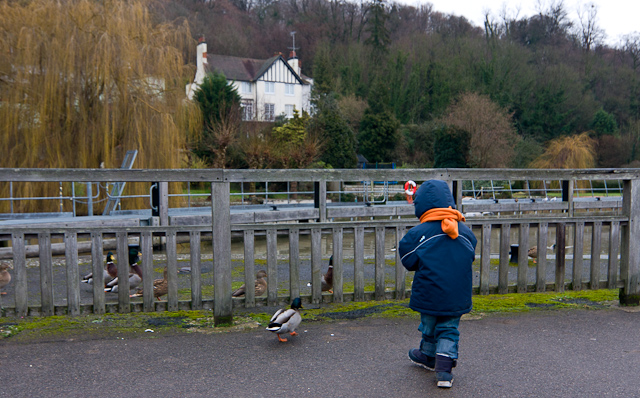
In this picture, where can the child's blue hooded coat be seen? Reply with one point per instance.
(442, 283)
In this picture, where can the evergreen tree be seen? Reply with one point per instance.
(219, 103)
(378, 136)
(338, 138)
(322, 72)
(378, 128)
(604, 123)
(379, 37)
(216, 99)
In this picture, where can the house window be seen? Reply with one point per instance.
(289, 89)
(288, 110)
(246, 87)
(269, 112)
(247, 109)
(269, 88)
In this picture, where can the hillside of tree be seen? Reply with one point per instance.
(403, 77)
(392, 82)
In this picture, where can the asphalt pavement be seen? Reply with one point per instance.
(560, 353)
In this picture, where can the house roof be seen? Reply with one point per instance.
(244, 69)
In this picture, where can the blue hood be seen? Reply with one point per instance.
(433, 194)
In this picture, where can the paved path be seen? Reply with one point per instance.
(563, 353)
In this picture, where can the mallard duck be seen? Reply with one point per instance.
(134, 255)
(135, 277)
(286, 320)
(260, 285)
(160, 287)
(5, 276)
(327, 279)
(110, 271)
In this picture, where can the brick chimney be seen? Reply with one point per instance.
(294, 62)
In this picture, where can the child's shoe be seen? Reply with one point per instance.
(416, 356)
(444, 364)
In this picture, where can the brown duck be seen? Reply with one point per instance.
(327, 279)
(5, 276)
(260, 285)
(160, 287)
(533, 252)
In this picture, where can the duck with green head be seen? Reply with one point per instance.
(286, 320)
(135, 274)
(109, 273)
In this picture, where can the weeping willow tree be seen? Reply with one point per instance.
(83, 81)
(572, 152)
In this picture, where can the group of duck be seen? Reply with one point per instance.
(285, 320)
(282, 322)
(110, 275)
(260, 284)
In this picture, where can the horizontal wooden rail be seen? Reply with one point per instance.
(283, 175)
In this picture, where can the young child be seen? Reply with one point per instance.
(440, 250)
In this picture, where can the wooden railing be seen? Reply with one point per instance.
(561, 226)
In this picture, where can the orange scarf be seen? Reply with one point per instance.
(449, 217)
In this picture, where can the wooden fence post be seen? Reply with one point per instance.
(221, 228)
(172, 271)
(541, 269)
(523, 258)
(97, 258)
(503, 268)
(73, 274)
(249, 269)
(630, 246)
(122, 243)
(485, 258)
(380, 264)
(358, 263)
(561, 229)
(20, 274)
(196, 272)
(46, 274)
(294, 263)
(316, 259)
(272, 267)
(337, 265)
(146, 248)
(401, 272)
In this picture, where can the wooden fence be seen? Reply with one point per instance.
(557, 225)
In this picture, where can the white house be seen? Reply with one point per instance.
(268, 87)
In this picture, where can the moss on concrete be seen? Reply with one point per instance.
(153, 324)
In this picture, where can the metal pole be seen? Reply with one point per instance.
(61, 205)
(73, 197)
(11, 194)
(89, 199)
